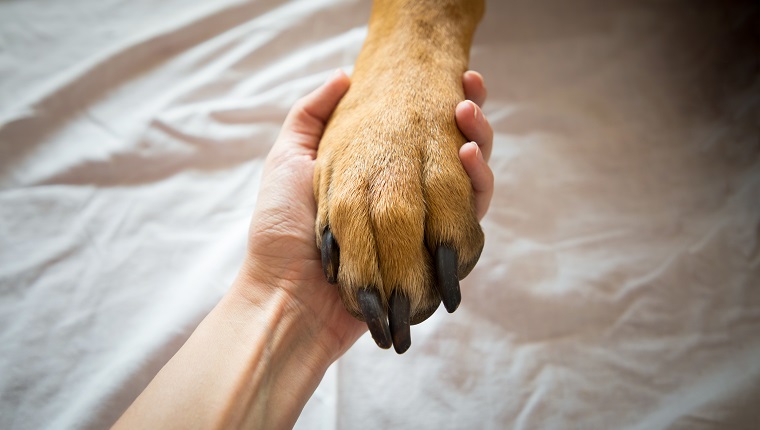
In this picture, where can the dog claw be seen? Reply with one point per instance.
(371, 306)
(398, 318)
(330, 256)
(446, 263)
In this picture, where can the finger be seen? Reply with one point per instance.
(475, 126)
(480, 175)
(474, 87)
(307, 118)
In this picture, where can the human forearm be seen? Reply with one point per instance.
(251, 363)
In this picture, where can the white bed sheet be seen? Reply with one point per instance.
(619, 286)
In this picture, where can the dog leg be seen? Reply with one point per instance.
(396, 221)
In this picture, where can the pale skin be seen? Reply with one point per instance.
(259, 355)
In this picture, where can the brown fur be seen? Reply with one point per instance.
(388, 180)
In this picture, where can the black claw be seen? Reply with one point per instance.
(374, 314)
(330, 256)
(446, 263)
(398, 318)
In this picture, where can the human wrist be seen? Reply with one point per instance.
(286, 359)
(288, 316)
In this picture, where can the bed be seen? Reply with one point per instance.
(619, 287)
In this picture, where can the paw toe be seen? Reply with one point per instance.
(330, 256)
(447, 284)
(398, 318)
(373, 311)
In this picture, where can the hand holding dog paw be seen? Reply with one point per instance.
(282, 257)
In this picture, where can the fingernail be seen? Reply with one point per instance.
(333, 76)
(478, 152)
(474, 110)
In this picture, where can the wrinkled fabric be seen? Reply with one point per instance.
(620, 282)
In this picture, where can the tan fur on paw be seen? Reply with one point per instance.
(396, 221)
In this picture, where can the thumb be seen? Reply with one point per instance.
(307, 118)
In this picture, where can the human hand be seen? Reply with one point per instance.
(282, 257)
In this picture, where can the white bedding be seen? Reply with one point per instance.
(619, 286)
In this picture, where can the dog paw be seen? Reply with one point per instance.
(396, 222)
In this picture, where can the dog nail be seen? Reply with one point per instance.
(374, 314)
(398, 317)
(330, 256)
(448, 283)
